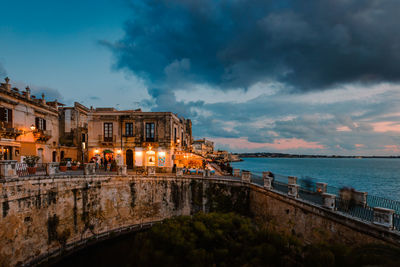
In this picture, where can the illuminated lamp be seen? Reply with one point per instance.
(96, 151)
(161, 154)
(32, 127)
(138, 153)
(119, 151)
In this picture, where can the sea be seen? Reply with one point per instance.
(377, 176)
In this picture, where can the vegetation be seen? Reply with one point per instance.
(31, 160)
(227, 239)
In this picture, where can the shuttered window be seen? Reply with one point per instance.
(150, 132)
(129, 129)
(6, 117)
(108, 132)
(40, 124)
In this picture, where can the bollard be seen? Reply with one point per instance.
(236, 172)
(321, 187)
(383, 217)
(329, 201)
(292, 180)
(293, 190)
(179, 172)
(246, 176)
(8, 169)
(89, 168)
(52, 168)
(267, 180)
(121, 169)
(151, 171)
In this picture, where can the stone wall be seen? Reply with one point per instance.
(43, 216)
(313, 224)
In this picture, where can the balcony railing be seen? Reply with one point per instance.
(42, 135)
(7, 130)
(107, 139)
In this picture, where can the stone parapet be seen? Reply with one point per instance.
(329, 201)
(151, 170)
(293, 190)
(292, 180)
(246, 176)
(8, 169)
(267, 178)
(383, 217)
(236, 172)
(52, 168)
(179, 172)
(121, 169)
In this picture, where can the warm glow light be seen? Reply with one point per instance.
(33, 127)
(178, 140)
(119, 151)
(138, 153)
(161, 154)
(96, 151)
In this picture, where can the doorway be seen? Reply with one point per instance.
(54, 156)
(7, 153)
(129, 159)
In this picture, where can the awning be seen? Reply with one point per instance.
(107, 151)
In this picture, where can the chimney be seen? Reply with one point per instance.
(43, 101)
(7, 85)
(28, 92)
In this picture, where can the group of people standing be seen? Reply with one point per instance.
(105, 162)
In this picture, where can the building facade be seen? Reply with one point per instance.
(28, 126)
(203, 147)
(138, 139)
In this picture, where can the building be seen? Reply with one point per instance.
(203, 147)
(28, 125)
(74, 132)
(138, 139)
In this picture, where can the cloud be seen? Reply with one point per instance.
(236, 44)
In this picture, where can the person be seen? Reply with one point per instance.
(105, 164)
(101, 162)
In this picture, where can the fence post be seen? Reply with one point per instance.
(292, 180)
(329, 201)
(121, 170)
(246, 176)
(321, 187)
(383, 217)
(206, 173)
(236, 172)
(293, 190)
(89, 169)
(8, 169)
(179, 172)
(52, 168)
(267, 177)
(151, 170)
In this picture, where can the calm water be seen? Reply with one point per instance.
(379, 177)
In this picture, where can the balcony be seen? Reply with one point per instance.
(42, 135)
(7, 131)
(107, 140)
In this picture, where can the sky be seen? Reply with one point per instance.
(309, 77)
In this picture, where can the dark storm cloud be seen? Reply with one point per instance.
(305, 44)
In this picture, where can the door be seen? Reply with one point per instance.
(129, 159)
(54, 156)
(40, 155)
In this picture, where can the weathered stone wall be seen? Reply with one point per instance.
(313, 224)
(41, 216)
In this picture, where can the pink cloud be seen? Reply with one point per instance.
(359, 145)
(392, 148)
(386, 126)
(280, 144)
(343, 129)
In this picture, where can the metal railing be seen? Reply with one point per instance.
(349, 206)
(24, 170)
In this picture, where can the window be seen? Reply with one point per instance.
(6, 117)
(83, 137)
(174, 134)
(108, 132)
(40, 124)
(129, 129)
(150, 132)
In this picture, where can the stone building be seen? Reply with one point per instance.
(74, 132)
(138, 139)
(28, 125)
(203, 147)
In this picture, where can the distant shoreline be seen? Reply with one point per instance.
(279, 155)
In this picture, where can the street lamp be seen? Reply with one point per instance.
(33, 127)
